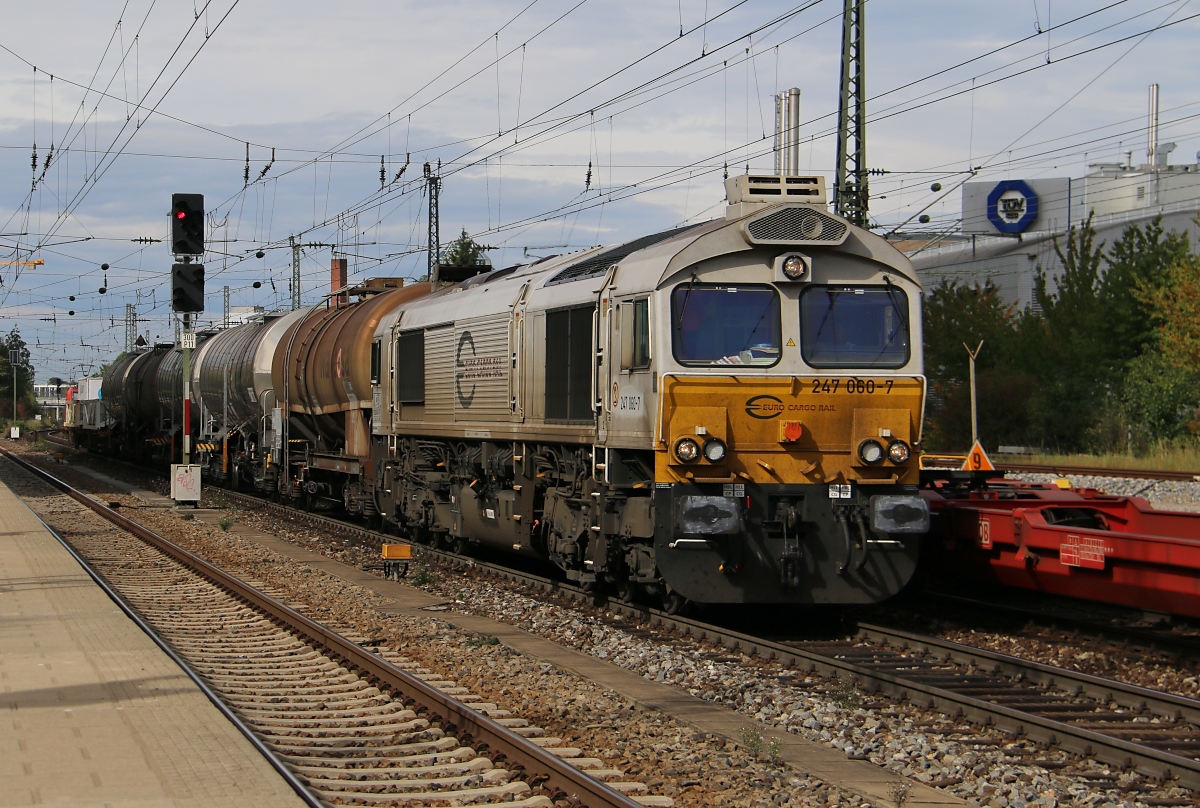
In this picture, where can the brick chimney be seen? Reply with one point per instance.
(337, 280)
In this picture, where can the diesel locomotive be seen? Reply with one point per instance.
(726, 412)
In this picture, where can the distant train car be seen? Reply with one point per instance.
(728, 412)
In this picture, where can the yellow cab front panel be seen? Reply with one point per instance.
(798, 489)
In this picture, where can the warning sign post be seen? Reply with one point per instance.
(977, 459)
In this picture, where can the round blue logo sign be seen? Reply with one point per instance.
(1012, 206)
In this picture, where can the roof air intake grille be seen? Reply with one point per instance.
(796, 226)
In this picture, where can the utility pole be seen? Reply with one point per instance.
(434, 183)
(850, 183)
(225, 319)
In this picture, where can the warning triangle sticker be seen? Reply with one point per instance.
(791, 343)
(977, 460)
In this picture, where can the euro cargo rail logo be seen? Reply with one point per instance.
(764, 407)
(469, 367)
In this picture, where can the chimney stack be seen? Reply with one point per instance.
(337, 280)
(1152, 127)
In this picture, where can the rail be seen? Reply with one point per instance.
(537, 765)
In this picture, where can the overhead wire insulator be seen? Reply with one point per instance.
(403, 168)
(267, 167)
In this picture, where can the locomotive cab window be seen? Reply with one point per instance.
(725, 325)
(634, 325)
(854, 326)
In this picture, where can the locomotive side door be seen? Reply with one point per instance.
(631, 387)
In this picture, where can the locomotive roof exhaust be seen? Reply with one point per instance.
(787, 132)
(749, 192)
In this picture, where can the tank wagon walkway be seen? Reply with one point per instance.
(92, 712)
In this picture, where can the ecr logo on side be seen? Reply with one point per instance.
(764, 407)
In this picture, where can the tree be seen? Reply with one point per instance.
(24, 377)
(1158, 399)
(1138, 264)
(1176, 306)
(464, 252)
(956, 313)
(1074, 369)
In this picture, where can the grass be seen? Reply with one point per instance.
(1157, 458)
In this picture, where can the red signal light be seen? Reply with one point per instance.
(181, 214)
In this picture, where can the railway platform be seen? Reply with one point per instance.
(92, 712)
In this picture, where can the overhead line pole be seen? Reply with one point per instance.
(435, 238)
(850, 181)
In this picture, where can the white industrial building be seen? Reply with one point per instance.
(1009, 227)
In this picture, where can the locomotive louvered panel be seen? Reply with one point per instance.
(796, 226)
(598, 264)
(481, 369)
(410, 368)
(570, 355)
(439, 374)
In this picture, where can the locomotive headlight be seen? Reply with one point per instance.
(687, 450)
(714, 450)
(898, 452)
(870, 451)
(793, 267)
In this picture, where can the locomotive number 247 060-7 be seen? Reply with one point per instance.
(856, 386)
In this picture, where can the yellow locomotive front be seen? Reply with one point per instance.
(789, 420)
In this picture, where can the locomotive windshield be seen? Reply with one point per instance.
(854, 326)
(725, 325)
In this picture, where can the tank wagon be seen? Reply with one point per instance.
(728, 412)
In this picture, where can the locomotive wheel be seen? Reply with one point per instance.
(625, 590)
(674, 603)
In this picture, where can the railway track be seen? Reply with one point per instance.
(343, 723)
(1080, 618)
(1117, 724)
(1122, 725)
(1096, 471)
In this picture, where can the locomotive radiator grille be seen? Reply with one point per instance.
(796, 225)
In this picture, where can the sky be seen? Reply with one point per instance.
(558, 125)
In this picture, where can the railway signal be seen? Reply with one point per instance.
(187, 225)
(187, 287)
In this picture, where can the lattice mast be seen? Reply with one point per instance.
(850, 183)
(131, 334)
(434, 183)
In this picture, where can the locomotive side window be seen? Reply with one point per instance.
(854, 327)
(410, 368)
(725, 325)
(635, 334)
(569, 356)
(376, 352)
